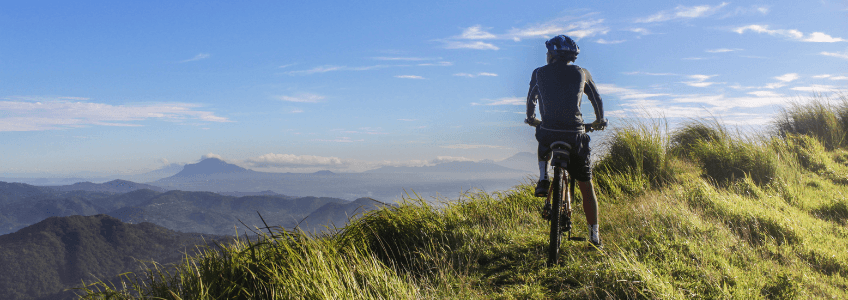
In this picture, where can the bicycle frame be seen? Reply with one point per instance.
(560, 196)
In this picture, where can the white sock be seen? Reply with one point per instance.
(594, 235)
(543, 170)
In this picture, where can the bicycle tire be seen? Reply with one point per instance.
(556, 204)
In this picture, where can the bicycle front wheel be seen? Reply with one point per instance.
(556, 205)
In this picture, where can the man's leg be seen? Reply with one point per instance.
(590, 204)
(544, 155)
(590, 207)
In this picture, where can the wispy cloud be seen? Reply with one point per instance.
(478, 45)
(476, 32)
(302, 98)
(62, 113)
(319, 69)
(683, 13)
(817, 88)
(291, 160)
(576, 29)
(699, 80)
(605, 42)
(831, 77)
(439, 64)
(287, 65)
(197, 57)
(624, 93)
(842, 55)
(503, 101)
(788, 77)
(479, 38)
(409, 77)
(641, 31)
(722, 50)
(279, 162)
(476, 75)
(792, 34)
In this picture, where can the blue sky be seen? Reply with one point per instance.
(347, 86)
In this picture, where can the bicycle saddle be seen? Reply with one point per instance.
(561, 145)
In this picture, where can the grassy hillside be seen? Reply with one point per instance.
(700, 212)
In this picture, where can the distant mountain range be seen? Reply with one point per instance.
(447, 180)
(186, 211)
(114, 186)
(41, 260)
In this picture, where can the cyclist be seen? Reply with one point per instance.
(558, 87)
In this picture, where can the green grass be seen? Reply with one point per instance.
(704, 213)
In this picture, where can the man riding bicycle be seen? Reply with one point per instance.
(558, 87)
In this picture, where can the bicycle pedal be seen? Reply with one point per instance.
(577, 238)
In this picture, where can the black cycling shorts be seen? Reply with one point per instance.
(578, 165)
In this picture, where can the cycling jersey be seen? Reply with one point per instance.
(559, 87)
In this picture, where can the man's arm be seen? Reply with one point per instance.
(592, 93)
(531, 102)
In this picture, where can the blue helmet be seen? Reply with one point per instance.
(562, 44)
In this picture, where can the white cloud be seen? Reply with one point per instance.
(476, 33)
(59, 113)
(291, 160)
(576, 28)
(504, 101)
(817, 88)
(788, 77)
(476, 75)
(310, 163)
(320, 69)
(699, 80)
(765, 94)
(441, 64)
(296, 111)
(683, 12)
(816, 37)
(303, 98)
(287, 65)
(445, 159)
(605, 42)
(197, 57)
(211, 155)
(843, 55)
(478, 45)
(409, 76)
(820, 37)
(641, 31)
(722, 50)
(625, 93)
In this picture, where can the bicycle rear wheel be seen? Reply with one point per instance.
(556, 205)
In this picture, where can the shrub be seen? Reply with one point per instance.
(636, 150)
(685, 139)
(818, 118)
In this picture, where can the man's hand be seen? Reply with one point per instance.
(533, 122)
(599, 124)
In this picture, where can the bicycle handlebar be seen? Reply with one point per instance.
(587, 127)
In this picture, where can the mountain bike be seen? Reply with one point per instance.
(560, 196)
